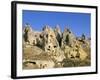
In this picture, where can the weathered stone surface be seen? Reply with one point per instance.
(50, 43)
(58, 34)
(67, 38)
(41, 61)
(52, 48)
(29, 36)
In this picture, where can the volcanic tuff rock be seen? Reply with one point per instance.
(51, 48)
(58, 34)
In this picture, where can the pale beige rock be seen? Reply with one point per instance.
(41, 61)
(50, 41)
(83, 54)
(45, 49)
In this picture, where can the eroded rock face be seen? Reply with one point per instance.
(49, 40)
(39, 61)
(29, 36)
(52, 48)
(58, 34)
(75, 52)
(67, 38)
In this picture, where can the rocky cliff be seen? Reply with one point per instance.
(52, 48)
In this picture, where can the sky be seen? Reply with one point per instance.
(78, 23)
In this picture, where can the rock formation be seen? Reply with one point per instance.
(58, 34)
(68, 38)
(29, 36)
(51, 48)
(50, 43)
